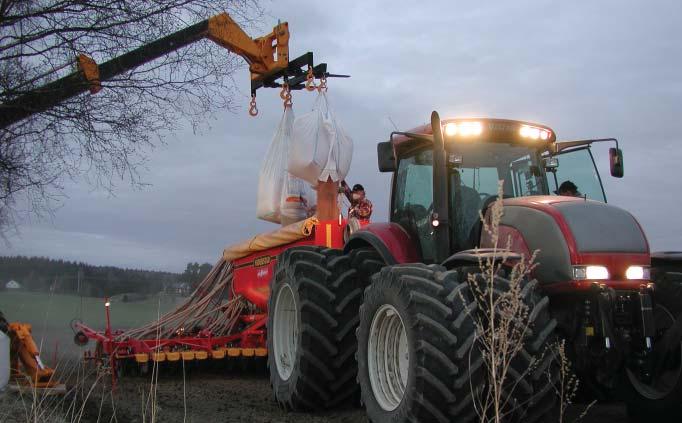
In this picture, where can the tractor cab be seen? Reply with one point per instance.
(443, 182)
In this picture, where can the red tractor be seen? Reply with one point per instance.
(391, 314)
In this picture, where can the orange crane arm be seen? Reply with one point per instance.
(267, 56)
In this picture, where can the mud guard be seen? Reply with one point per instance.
(480, 255)
(390, 240)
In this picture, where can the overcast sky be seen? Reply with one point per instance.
(585, 68)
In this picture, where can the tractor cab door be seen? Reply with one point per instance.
(412, 203)
(577, 166)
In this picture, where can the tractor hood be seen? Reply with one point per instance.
(567, 231)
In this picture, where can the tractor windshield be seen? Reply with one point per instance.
(473, 175)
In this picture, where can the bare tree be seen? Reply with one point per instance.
(105, 137)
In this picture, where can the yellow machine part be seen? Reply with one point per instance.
(88, 67)
(265, 55)
(25, 358)
(142, 358)
(199, 355)
(282, 236)
(259, 53)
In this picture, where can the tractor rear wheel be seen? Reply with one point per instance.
(313, 313)
(660, 399)
(418, 355)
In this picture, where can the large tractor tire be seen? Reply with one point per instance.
(418, 358)
(660, 400)
(313, 313)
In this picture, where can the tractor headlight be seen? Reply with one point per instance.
(638, 272)
(581, 273)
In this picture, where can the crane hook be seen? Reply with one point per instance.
(310, 80)
(253, 109)
(285, 95)
(323, 84)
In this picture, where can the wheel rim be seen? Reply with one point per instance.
(285, 331)
(669, 377)
(388, 357)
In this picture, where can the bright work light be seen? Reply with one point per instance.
(470, 128)
(451, 129)
(534, 133)
(464, 129)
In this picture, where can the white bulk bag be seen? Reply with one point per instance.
(320, 148)
(282, 198)
(273, 171)
(4, 360)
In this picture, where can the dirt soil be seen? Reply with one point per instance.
(213, 397)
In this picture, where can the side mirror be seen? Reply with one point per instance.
(386, 157)
(616, 162)
(551, 163)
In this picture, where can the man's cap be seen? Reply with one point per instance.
(358, 187)
(567, 186)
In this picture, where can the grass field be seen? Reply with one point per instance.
(51, 314)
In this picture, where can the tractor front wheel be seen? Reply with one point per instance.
(420, 358)
(659, 398)
(415, 338)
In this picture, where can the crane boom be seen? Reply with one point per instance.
(267, 56)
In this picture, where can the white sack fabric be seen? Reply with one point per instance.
(320, 148)
(297, 200)
(275, 186)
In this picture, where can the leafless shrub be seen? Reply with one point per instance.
(503, 326)
(566, 386)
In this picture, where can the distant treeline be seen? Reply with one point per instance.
(60, 276)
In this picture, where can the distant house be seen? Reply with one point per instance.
(180, 288)
(12, 285)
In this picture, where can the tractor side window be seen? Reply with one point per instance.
(469, 188)
(525, 178)
(413, 203)
(578, 167)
